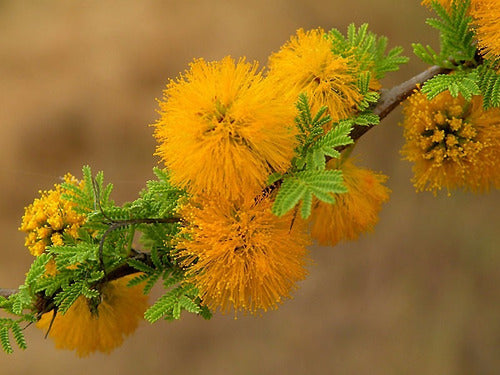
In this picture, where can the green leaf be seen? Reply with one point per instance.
(321, 184)
(465, 83)
(5, 341)
(18, 335)
(140, 266)
(161, 307)
(367, 49)
(457, 46)
(489, 85)
(37, 269)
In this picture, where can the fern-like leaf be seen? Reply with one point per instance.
(489, 86)
(321, 184)
(465, 83)
(5, 340)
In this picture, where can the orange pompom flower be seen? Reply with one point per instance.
(487, 15)
(224, 128)
(239, 255)
(87, 331)
(354, 212)
(306, 64)
(49, 217)
(452, 143)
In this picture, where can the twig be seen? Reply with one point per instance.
(123, 223)
(390, 99)
(7, 292)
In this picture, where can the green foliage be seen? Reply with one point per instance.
(179, 296)
(456, 37)
(483, 80)
(17, 303)
(70, 292)
(489, 86)
(368, 49)
(13, 326)
(66, 256)
(309, 178)
(303, 186)
(92, 196)
(314, 143)
(369, 97)
(159, 199)
(37, 270)
(5, 340)
(459, 82)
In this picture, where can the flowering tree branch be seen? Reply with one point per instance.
(389, 100)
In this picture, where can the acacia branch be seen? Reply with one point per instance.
(389, 100)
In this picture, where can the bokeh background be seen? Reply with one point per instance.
(78, 82)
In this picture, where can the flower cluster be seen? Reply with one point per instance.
(49, 218)
(225, 127)
(452, 143)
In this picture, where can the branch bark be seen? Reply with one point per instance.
(389, 100)
(7, 292)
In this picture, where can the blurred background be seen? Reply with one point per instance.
(78, 82)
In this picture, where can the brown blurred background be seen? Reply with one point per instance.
(78, 82)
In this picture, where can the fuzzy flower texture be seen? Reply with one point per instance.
(85, 331)
(224, 128)
(239, 255)
(306, 64)
(452, 143)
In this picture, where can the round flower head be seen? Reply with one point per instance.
(452, 143)
(241, 256)
(224, 129)
(306, 64)
(104, 329)
(487, 15)
(50, 217)
(354, 212)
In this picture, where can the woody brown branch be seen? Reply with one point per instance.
(389, 100)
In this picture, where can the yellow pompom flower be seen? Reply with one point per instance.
(224, 128)
(241, 256)
(452, 143)
(49, 217)
(487, 15)
(354, 212)
(306, 64)
(87, 331)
